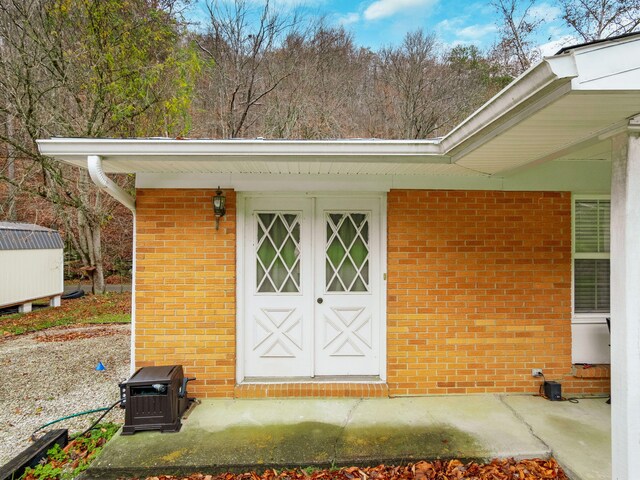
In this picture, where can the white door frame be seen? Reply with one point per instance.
(241, 198)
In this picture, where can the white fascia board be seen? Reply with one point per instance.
(613, 65)
(71, 149)
(531, 91)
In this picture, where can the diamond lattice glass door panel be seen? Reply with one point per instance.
(278, 252)
(347, 320)
(278, 317)
(347, 252)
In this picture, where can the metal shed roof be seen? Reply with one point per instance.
(26, 236)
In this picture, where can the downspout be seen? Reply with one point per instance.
(94, 165)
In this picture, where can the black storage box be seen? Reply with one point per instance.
(154, 399)
(553, 390)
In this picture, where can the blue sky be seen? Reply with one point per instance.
(379, 23)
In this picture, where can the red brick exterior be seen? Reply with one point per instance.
(479, 292)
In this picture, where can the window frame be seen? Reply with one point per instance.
(586, 317)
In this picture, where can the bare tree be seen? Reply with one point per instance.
(515, 49)
(241, 44)
(413, 86)
(596, 19)
(319, 99)
(8, 207)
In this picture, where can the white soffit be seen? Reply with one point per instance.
(570, 100)
(569, 121)
(283, 166)
(378, 157)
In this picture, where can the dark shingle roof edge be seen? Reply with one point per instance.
(26, 236)
(594, 42)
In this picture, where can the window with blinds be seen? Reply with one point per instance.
(591, 256)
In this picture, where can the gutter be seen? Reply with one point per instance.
(76, 150)
(94, 165)
(530, 92)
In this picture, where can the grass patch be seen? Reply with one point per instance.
(68, 462)
(91, 309)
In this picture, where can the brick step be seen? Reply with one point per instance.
(317, 390)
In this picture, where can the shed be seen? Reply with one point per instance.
(32, 265)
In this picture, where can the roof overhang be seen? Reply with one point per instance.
(162, 155)
(565, 104)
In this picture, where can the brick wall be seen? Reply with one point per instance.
(479, 292)
(185, 287)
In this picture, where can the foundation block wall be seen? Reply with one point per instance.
(186, 287)
(479, 292)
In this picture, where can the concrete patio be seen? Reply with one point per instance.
(239, 435)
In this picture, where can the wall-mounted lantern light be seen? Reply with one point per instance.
(219, 206)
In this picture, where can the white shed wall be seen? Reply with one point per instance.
(30, 274)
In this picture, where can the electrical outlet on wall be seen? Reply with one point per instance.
(536, 372)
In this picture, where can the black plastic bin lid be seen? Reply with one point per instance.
(150, 375)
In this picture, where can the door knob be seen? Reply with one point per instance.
(320, 300)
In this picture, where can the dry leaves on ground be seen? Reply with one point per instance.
(507, 469)
(76, 335)
(108, 308)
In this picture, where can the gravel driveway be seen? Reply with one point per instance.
(51, 374)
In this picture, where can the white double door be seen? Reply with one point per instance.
(312, 288)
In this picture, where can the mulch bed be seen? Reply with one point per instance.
(508, 469)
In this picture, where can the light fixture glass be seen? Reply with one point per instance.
(219, 209)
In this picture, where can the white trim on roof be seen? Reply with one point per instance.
(532, 89)
(304, 149)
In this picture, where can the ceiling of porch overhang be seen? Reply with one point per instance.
(259, 156)
(570, 123)
(280, 166)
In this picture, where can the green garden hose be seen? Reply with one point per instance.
(103, 409)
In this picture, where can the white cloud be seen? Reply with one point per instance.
(475, 32)
(450, 24)
(456, 43)
(555, 31)
(545, 11)
(463, 33)
(482, 8)
(348, 18)
(386, 8)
